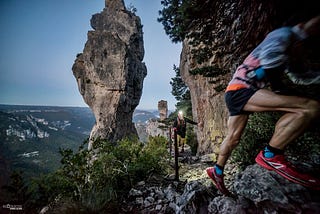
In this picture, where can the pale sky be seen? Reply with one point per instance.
(40, 40)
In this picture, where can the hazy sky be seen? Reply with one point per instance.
(40, 39)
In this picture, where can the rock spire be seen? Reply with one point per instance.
(110, 71)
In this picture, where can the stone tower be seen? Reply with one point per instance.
(163, 109)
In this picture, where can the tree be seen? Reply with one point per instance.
(179, 88)
(181, 92)
(192, 20)
(179, 16)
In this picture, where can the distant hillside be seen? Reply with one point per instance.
(142, 116)
(30, 136)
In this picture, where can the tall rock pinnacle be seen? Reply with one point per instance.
(110, 71)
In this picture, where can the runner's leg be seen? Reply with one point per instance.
(299, 112)
(236, 125)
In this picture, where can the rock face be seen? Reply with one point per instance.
(110, 71)
(156, 128)
(208, 102)
(238, 27)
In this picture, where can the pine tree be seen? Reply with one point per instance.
(181, 93)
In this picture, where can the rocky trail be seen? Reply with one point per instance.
(255, 190)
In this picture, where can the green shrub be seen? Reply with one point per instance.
(95, 180)
(16, 190)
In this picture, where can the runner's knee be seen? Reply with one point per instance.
(312, 109)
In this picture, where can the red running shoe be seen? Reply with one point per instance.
(217, 181)
(287, 170)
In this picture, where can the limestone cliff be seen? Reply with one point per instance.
(110, 71)
(238, 27)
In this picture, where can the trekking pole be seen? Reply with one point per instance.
(170, 141)
(176, 153)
